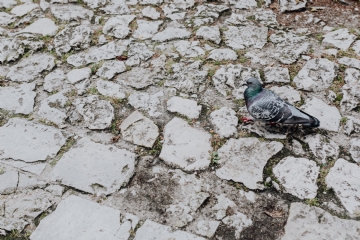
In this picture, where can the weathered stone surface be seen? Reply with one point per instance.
(10, 224)
(29, 182)
(55, 190)
(317, 75)
(77, 75)
(287, 93)
(247, 36)
(189, 49)
(95, 54)
(322, 147)
(289, 46)
(94, 167)
(239, 221)
(146, 29)
(306, 172)
(110, 68)
(223, 54)
(138, 53)
(95, 3)
(244, 4)
(265, 131)
(6, 19)
(78, 37)
(116, 7)
(207, 228)
(54, 80)
(171, 33)
(137, 77)
(43, 26)
(69, 12)
(276, 74)
(23, 9)
(184, 146)
(186, 107)
(225, 121)
(118, 26)
(210, 10)
(20, 99)
(29, 69)
(356, 47)
(328, 116)
(291, 5)
(350, 90)
(110, 89)
(34, 142)
(96, 113)
(150, 12)
(8, 182)
(355, 149)
(343, 178)
(151, 103)
(139, 130)
(12, 48)
(340, 38)
(350, 62)
(153, 230)
(243, 160)
(52, 108)
(7, 3)
(84, 219)
(266, 17)
(209, 33)
(314, 223)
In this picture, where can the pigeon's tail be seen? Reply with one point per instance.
(314, 122)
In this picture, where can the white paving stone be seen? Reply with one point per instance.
(78, 37)
(328, 116)
(53, 109)
(186, 107)
(69, 12)
(244, 159)
(171, 33)
(239, 221)
(138, 53)
(287, 93)
(55, 190)
(94, 168)
(356, 47)
(29, 182)
(8, 182)
(139, 130)
(137, 77)
(276, 74)
(150, 12)
(84, 219)
(54, 80)
(110, 68)
(245, 37)
(6, 19)
(97, 114)
(118, 26)
(298, 176)
(34, 142)
(23, 9)
(189, 49)
(350, 62)
(223, 54)
(207, 228)
(225, 121)
(209, 33)
(7, 3)
(43, 26)
(146, 29)
(20, 99)
(185, 146)
(322, 147)
(116, 7)
(151, 103)
(77, 75)
(10, 224)
(344, 179)
(210, 10)
(350, 90)
(340, 38)
(29, 69)
(110, 89)
(355, 149)
(12, 48)
(95, 3)
(244, 4)
(317, 75)
(95, 54)
(291, 5)
(152, 230)
(307, 222)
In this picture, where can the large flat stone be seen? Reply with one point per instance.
(322, 147)
(8, 181)
(276, 74)
(225, 121)
(110, 89)
(146, 29)
(340, 38)
(184, 146)
(151, 103)
(110, 68)
(116, 7)
(243, 160)
(69, 12)
(43, 26)
(350, 90)
(34, 142)
(118, 26)
(94, 167)
(245, 37)
(171, 33)
(53, 109)
(20, 99)
(78, 37)
(186, 107)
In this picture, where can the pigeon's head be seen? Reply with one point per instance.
(253, 83)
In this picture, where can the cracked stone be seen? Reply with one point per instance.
(243, 160)
(35, 168)
(291, 5)
(12, 48)
(76, 38)
(225, 122)
(340, 38)
(224, 54)
(355, 149)
(118, 26)
(10, 224)
(246, 36)
(210, 10)
(350, 90)
(110, 68)
(30, 182)
(116, 7)
(6, 19)
(267, 17)
(20, 99)
(185, 146)
(186, 107)
(146, 29)
(306, 171)
(70, 12)
(110, 89)
(317, 75)
(189, 49)
(52, 108)
(151, 103)
(322, 147)
(209, 33)
(97, 114)
(350, 62)
(171, 33)
(139, 130)
(29, 69)
(94, 168)
(55, 190)
(54, 81)
(207, 228)
(223, 203)
(243, 4)
(137, 53)
(34, 142)
(202, 21)
(276, 74)
(137, 77)
(287, 93)
(150, 12)
(43, 26)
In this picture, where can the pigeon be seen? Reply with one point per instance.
(266, 106)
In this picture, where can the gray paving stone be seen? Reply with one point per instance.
(19, 99)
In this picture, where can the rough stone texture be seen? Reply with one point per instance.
(276, 74)
(95, 3)
(343, 178)
(70, 12)
(54, 80)
(186, 107)
(43, 26)
(96, 113)
(6, 19)
(19, 99)
(171, 33)
(209, 33)
(291, 5)
(138, 53)
(118, 26)
(350, 90)
(9, 180)
(328, 116)
(94, 167)
(110, 89)
(184, 146)
(244, 4)
(244, 37)
(84, 219)
(147, 102)
(224, 54)
(239, 221)
(317, 75)
(34, 142)
(243, 160)
(225, 121)
(78, 37)
(355, 149)
(350, 62)
(356, 47)
(116, 7)
(7, 3)
(287, 93)
(306, 172)
(189, 49)
(207, 228)
(52, 108)
(314, 223)
(29, 69)
(23, 9)
(139, 130)
(146, 29)
(322, 147)
(210, 10)
(95, 54)
(340, 38)
(77, 75)
(137, 77)
(12, 48)
(150, 12)
(110, 68)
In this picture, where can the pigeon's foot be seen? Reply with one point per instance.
(246, 120)
(272, 124)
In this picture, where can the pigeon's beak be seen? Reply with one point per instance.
(245, 84)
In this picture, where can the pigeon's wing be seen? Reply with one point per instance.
(269, 107)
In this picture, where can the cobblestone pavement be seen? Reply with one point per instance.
(120, 119)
